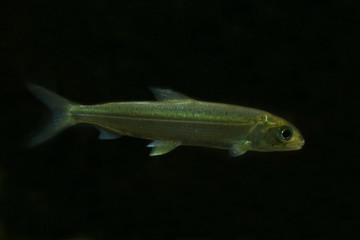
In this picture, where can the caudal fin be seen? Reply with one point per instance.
(60, 108)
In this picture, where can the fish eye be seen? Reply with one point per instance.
(284, 133)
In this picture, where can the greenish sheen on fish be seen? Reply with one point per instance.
(173, 120)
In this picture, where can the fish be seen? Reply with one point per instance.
(173, 120)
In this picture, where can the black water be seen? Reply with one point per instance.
(295, 59)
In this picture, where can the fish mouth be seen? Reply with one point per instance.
(295, 145)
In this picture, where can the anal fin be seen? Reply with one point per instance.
(106, 135)
(162, 147)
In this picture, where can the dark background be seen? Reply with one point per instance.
(295, 59)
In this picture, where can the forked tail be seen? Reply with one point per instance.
(61, 116)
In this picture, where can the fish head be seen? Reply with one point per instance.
(277, 134)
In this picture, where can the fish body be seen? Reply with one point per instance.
(174, 120)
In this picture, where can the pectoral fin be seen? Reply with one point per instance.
(105, 135)
(239, 149)
(162, 147)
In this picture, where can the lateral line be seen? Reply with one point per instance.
(160, 120)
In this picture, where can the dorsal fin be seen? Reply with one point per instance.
(168, 95)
